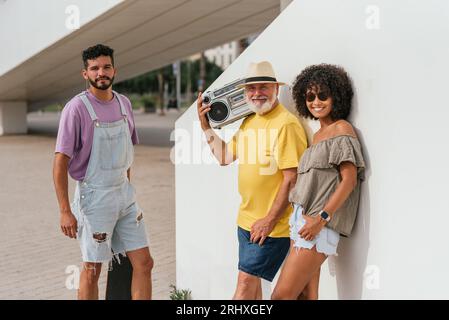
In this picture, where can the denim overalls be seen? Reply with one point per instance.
(104, 205)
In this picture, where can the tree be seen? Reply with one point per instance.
(155, 81)
(212, 72)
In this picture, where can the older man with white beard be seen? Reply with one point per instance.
(268, 144)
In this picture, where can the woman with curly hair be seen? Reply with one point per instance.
(326, 195)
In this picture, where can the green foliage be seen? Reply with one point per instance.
(148, 102)
(212, 72)
(144, 83)
(53, 108)
(136, 100)
(148, 82)
(176, 294)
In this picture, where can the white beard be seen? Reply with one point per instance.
(264, 108)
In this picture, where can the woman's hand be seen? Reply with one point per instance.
(312, 227)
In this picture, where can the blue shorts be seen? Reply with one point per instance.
(261, 261)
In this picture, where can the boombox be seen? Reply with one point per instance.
(227, 104)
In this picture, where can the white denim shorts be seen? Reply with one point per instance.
(326, 241)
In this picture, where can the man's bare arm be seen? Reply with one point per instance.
(219, 148)
(263, 227)
(60, 179)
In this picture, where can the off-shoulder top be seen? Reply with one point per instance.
(319, 176)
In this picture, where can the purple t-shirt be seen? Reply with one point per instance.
(76, 129)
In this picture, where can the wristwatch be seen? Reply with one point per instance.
(325, 216)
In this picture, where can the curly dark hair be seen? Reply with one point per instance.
(324, 77)
(96, 51)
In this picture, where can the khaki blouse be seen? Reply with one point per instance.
(318, 177)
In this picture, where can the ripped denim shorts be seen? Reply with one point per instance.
(326, 241)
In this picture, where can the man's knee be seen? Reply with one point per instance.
(144, 265)
(92, 272)
(149, 264)
(247, 280)
(247, 286)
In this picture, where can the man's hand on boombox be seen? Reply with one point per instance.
(202, 110)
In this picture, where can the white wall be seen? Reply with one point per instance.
(46, 20)
(399, 69)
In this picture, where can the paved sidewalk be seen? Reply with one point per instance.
(35, 254)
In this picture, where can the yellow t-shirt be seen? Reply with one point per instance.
(265, 145)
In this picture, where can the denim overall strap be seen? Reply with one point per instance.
(122, 106)
(89, 106)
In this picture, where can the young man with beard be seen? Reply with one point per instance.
(268, 144)
(95, 146)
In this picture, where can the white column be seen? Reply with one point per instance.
(13, 117)
(284, 4)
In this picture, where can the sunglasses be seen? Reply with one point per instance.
(322, 96)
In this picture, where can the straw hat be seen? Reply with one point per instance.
(261, 72)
